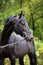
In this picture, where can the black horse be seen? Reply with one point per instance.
(19, 25)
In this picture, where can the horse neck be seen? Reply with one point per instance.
(5, 35)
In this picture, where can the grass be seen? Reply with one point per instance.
(26, 61)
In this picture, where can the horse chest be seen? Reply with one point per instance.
(21, 48)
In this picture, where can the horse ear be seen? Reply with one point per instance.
(21, 14)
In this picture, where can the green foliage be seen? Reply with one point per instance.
(12, 7)
(39, 51)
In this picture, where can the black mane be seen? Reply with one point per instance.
(9, 19)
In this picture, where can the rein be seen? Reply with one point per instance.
(4, 46)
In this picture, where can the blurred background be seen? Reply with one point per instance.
(34, 16)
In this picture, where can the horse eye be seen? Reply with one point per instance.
(22, 22)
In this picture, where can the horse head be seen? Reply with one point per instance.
(17, 24)
(21, 27)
